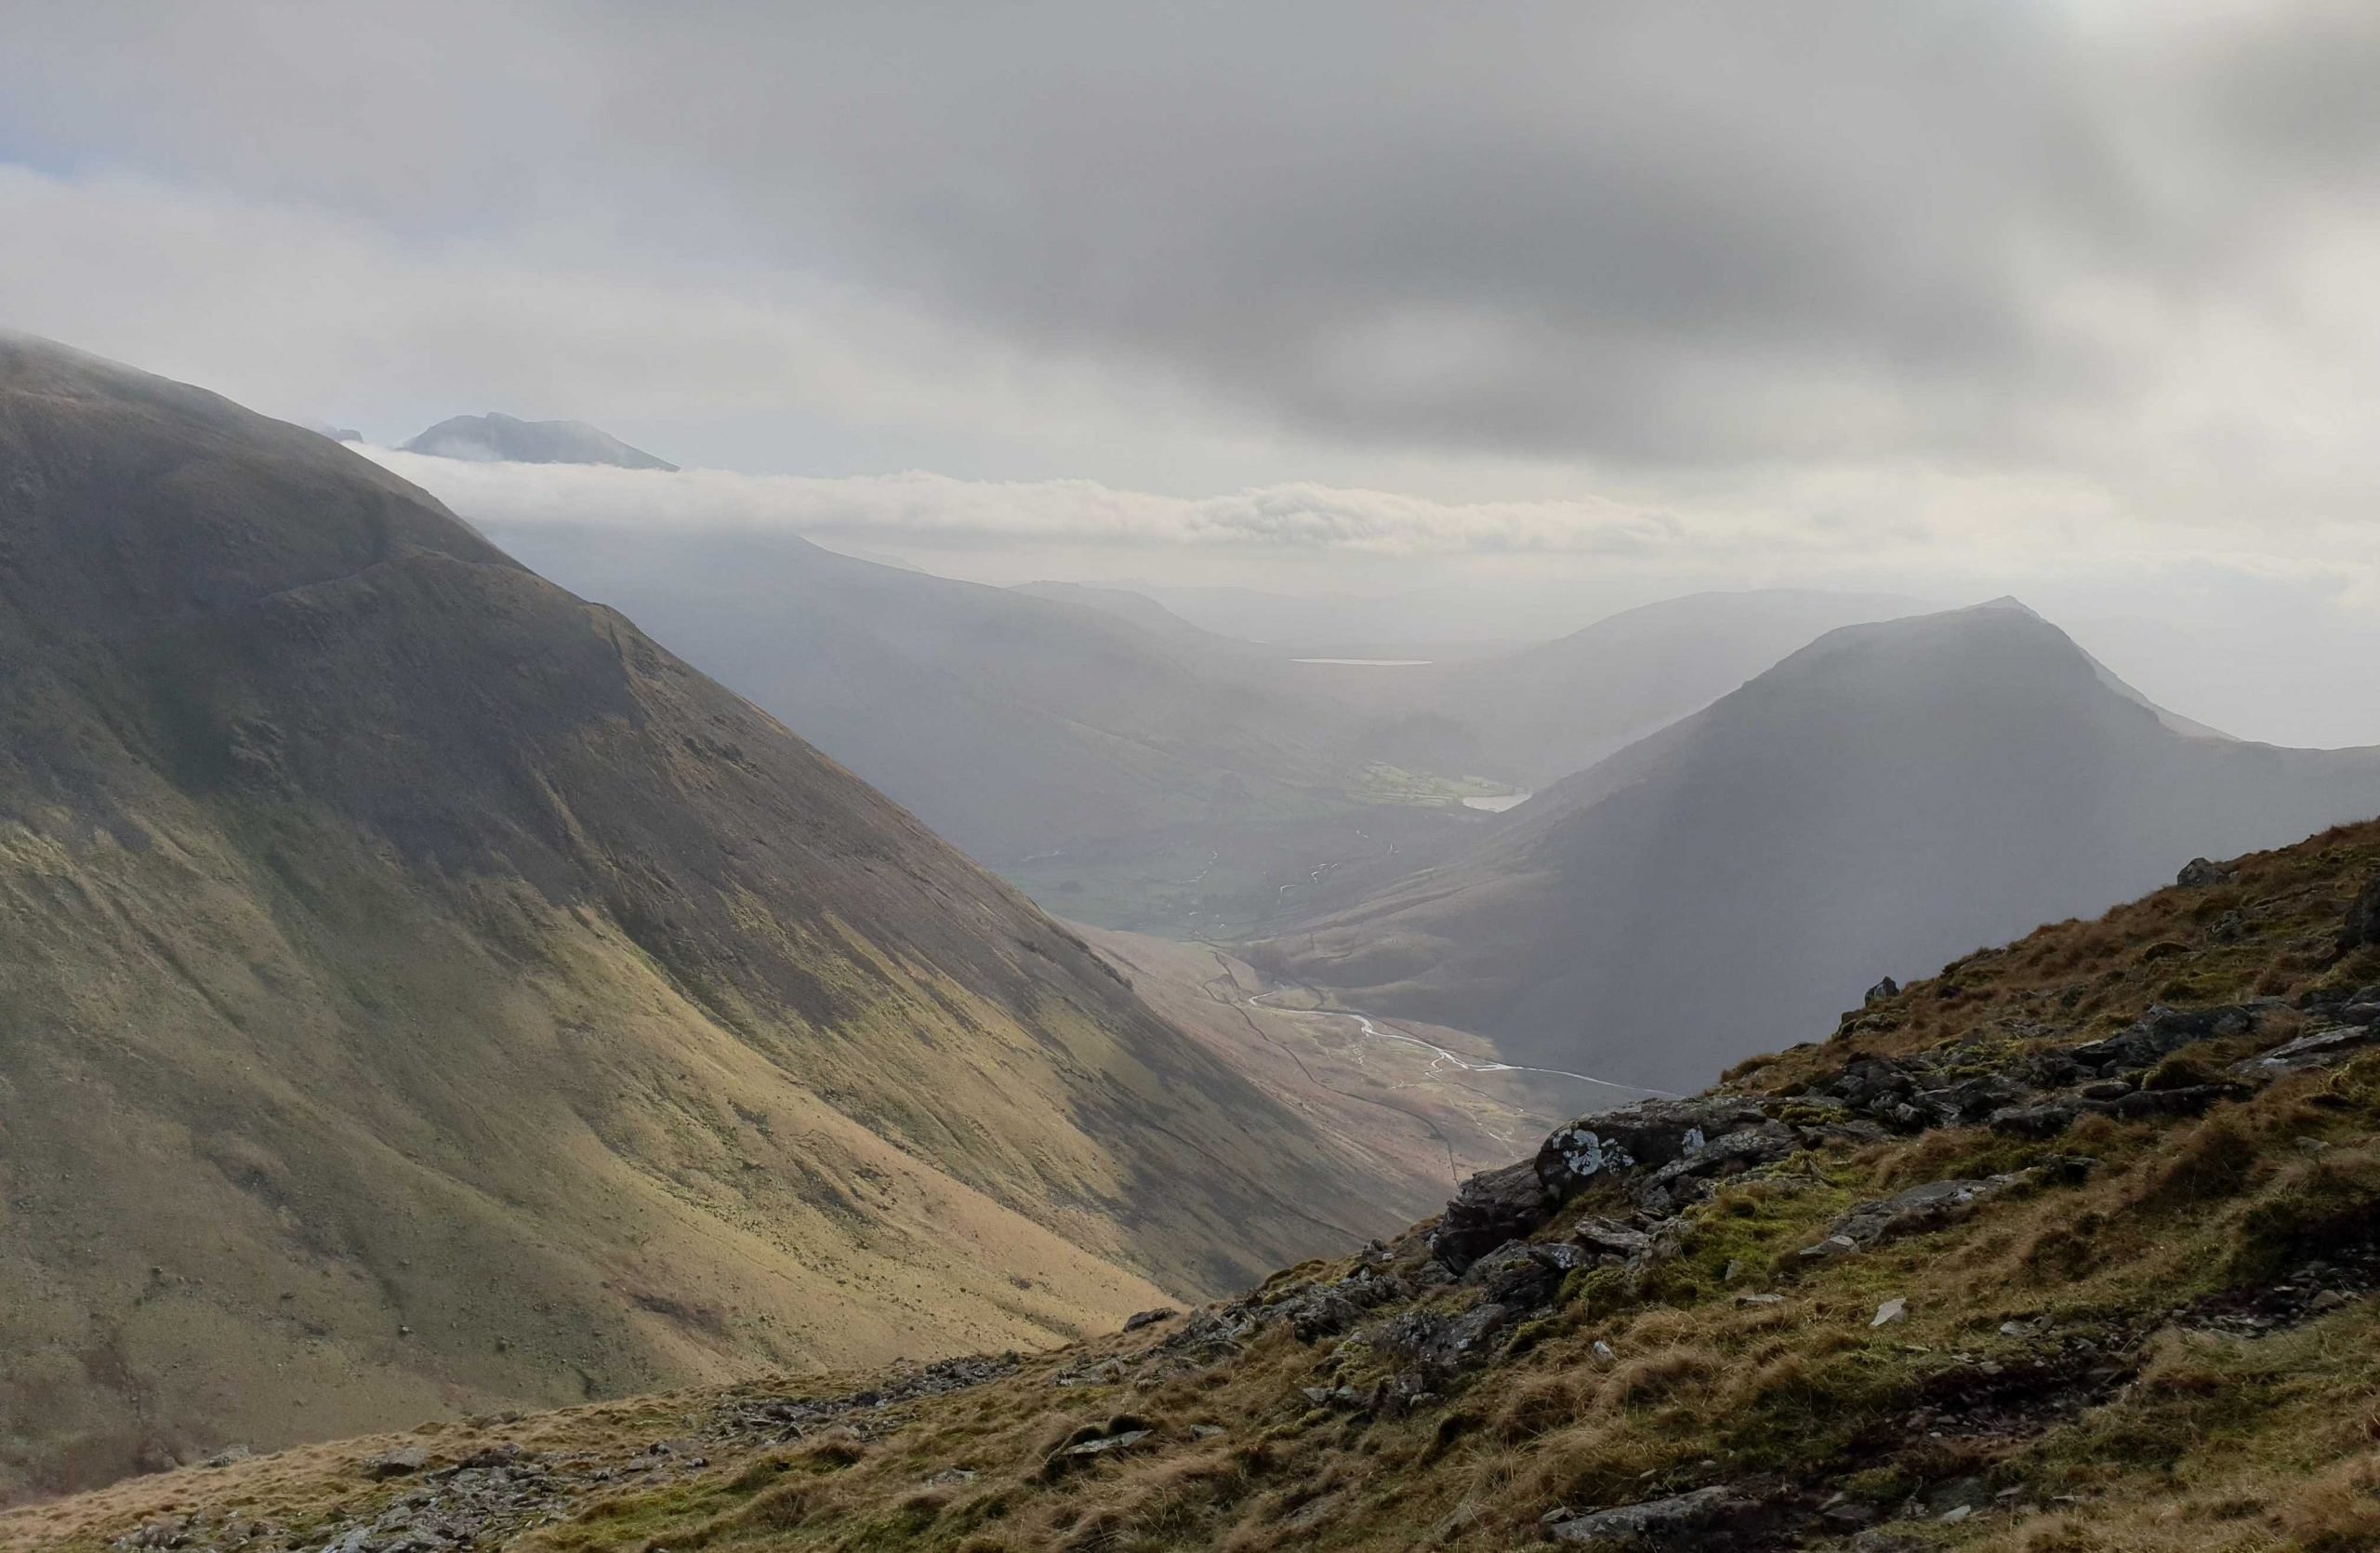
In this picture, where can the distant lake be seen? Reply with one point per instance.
(1499, 803)
(1371, 662)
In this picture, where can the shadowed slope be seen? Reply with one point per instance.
(1878, 802)
(418, 991)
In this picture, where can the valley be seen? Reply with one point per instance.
(1225, 779)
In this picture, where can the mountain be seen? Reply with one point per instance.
(1147, 614)
(1880, 800)
(2072, 1249)
(420, 992)
(1538, 715)
(494, 438)
(1015, 724)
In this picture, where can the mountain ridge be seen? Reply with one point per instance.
(438, 996)
(497, 437)
(1765, 859)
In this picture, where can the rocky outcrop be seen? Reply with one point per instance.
(2362, 929)
(1699, 1519)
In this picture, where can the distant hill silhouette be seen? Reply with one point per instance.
(502, 439)
(1889, 797)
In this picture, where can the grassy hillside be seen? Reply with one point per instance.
(419, 992)
(2071, 1248)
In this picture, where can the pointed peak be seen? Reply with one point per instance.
(2012, 603)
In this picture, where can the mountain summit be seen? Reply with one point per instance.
(494, 438)
(1883, 800)
(419, 991)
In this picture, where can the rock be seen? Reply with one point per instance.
(2106, 1089)
(1440, 1347)
(1602, 1351)
(1332, 1396)
(2162, 1030)
(403, 1462)
(1149, 1318)
(2320, 1048)
(1912, 1212)
(1647, 1135)
(2199, 874)
(951, 1477)
(1883, 990)
(1832, 1246)
(1891, 1313)
(2363, 925)
(2190, 1100)
(1680, 1521)
(1974, 1099)
(1123, 1442)
(1523, 1276)
(1755, 1301)
(1318, 1310)
(1206, 1431)
(2362, 1008)
(2035, 1122)
(1493, 1207)
(227, 1455)
(1607, 1238)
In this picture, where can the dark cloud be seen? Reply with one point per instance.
(1676, 232)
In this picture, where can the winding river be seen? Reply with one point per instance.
(1444, 1058)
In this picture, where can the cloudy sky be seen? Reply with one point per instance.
(1576, 302)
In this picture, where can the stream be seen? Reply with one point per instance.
(1445, 1058)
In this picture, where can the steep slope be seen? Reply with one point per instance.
(505, 439)
(419, 991)
(1871, 806)
(2073, 1250)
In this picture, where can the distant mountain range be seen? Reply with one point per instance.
(422, 992)
(494, 438)
(1130, 768)
(1889, 797)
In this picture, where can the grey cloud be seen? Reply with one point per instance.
(1703, 231)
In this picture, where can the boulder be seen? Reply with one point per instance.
(1603, 1237)
(1319, 1310)
(1646, 1135)
(1681, 1520)
(2362, 926)
(1883, 990)
(1438, 1346)
(1522, 1276)
(1493, 1207)
(2322, 1049)
(1149, 1318)
(2161, 1031)
(1915, 1211)
(2035, 1122)
(2199, 874)
(403, 1462)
